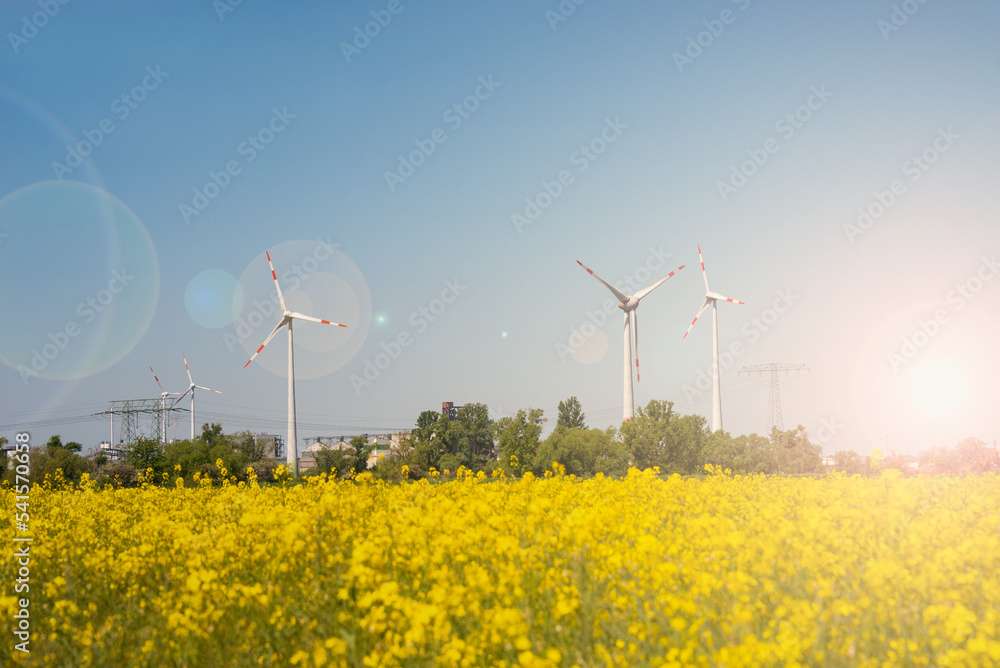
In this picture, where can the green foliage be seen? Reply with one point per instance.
(741, 454)
(146, 453)
(188, 454)
(656, 436)
(518, 439)
(359, 458)
(794, 453)
(211, 433)
(850, 462)
(466, 441)
(117, 474)
(390, 468)
(243, 443)
(570, 415)
(575, 448)
(328, 461)
(263, 471)
(73, 465)
(56, 442)
(47, 460)
(426, 423)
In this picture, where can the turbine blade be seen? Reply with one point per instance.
(270, 336)
(646, 290)
(312, 319)
(183, 394)
(186, 368)
(698, 315)
(209, 389)
(278, 287)
(703, 274)
(157, 379)
(727, 299)
(635, 334)
(622, 297)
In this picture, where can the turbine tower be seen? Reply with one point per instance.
(286, 320)
(163, 406)
(629, 304)
(191, 389)
(710, 299)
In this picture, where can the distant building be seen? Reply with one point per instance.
(274, 445)
(113, 454)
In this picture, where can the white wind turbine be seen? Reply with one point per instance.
(712, 298)
(163, 404)
(286, 320)
(629, 304)
(191, 389)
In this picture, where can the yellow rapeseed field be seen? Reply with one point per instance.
(553, 571)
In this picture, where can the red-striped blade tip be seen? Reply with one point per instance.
(268, 256)
(339, 325)
(247, 364)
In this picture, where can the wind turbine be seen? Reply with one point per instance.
(163, 404)
(712, 298)
(286, 320)
(191, 389)
(629, 304)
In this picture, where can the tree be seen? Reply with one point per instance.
(146, 453)
(472, 436)
(570, 414)
(518, 439)
(426, 422)
(741, 454)
(579, 450)
(211, 433)
(795, 453)
(971, 454)
(656, 436)
(244, 443)
(359, 462)
(850, 462)
(56, 442)
(338, 461)
(441, 443)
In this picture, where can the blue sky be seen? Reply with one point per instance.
(761, 131)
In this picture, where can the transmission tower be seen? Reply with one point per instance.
(130, 412)
(774, 417)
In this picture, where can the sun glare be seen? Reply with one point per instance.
(939, 387)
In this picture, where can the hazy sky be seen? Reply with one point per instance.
(429, 173)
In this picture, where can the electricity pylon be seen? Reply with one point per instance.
(774, 417)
